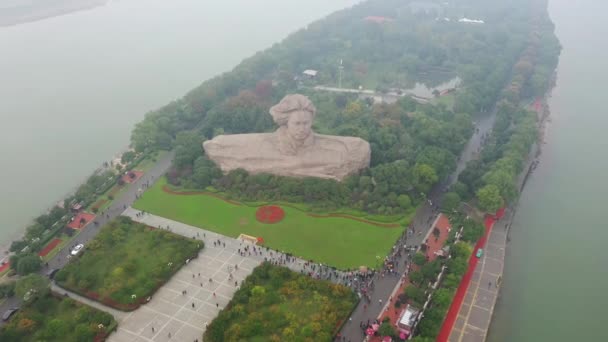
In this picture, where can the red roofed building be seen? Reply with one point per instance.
(378, 19)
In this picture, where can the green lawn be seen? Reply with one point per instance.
(276, 304)
(340, 242)
(125, 259)
(57, 319)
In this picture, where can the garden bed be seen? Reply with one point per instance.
(53, 318)
(276, 304)
(126, 263)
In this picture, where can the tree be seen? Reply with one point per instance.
(424, 177)
(450, 201)
(127, 157)
(32, 286)
(18, 245)
(442, 298)
(503, 180)
(416, 277)
(27, 264)
(460, 250)
(56, 328)
(404, 201)
(7, 289)
(419, 259)
(415, 294)
(387, 329)
(489, 198)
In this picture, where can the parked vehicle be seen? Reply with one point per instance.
(77, 249)
(8, 313)
(51, 273)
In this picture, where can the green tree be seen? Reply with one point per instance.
(489, 198)
(416, 277)
(18, 245)
(424, 177)
(7, 289)
(450, 201)
(127, 157)
(419, 259)
(56, 328)
(387, 329)
(442, 298)
(27, 264)
(404, 201)
(32, 286)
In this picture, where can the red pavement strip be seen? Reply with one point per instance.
(4, 267)
(450, 318)
(49, 247)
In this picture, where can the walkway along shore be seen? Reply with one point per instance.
(471, 311)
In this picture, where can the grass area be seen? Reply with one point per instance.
(57, 319)
(340, 242)
(125, 259)
(276, 304)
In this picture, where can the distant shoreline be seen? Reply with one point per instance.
(11, 16)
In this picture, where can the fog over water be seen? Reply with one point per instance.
(73, 86)
(555, 274)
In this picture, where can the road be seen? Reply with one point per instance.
(422, 222)
(90, 230)
(388, 97)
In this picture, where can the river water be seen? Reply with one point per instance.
(73, 86)
(556, 275)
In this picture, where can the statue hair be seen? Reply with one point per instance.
(289, 104)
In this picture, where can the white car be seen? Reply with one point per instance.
(77, 249)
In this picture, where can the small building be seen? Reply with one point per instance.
(407, 320)
(310, 73)
(378, 19)
(76, 207)
(471, 21)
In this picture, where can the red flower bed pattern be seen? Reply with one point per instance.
(49, 247)
(269, 214)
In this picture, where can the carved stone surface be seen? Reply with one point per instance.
(293, 149)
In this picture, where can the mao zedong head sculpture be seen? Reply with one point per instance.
(293, 150)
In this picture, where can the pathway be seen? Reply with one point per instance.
(475, 314)
(384, 286)
(473, 319)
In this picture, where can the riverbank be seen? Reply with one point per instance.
(16, 14)
(475, 314)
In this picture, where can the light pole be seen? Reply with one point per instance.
(340, 68)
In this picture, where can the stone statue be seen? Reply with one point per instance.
(293, 149)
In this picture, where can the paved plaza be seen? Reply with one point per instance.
(172, 315)
(184, 316)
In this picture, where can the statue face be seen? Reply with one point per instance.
(299, 125)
